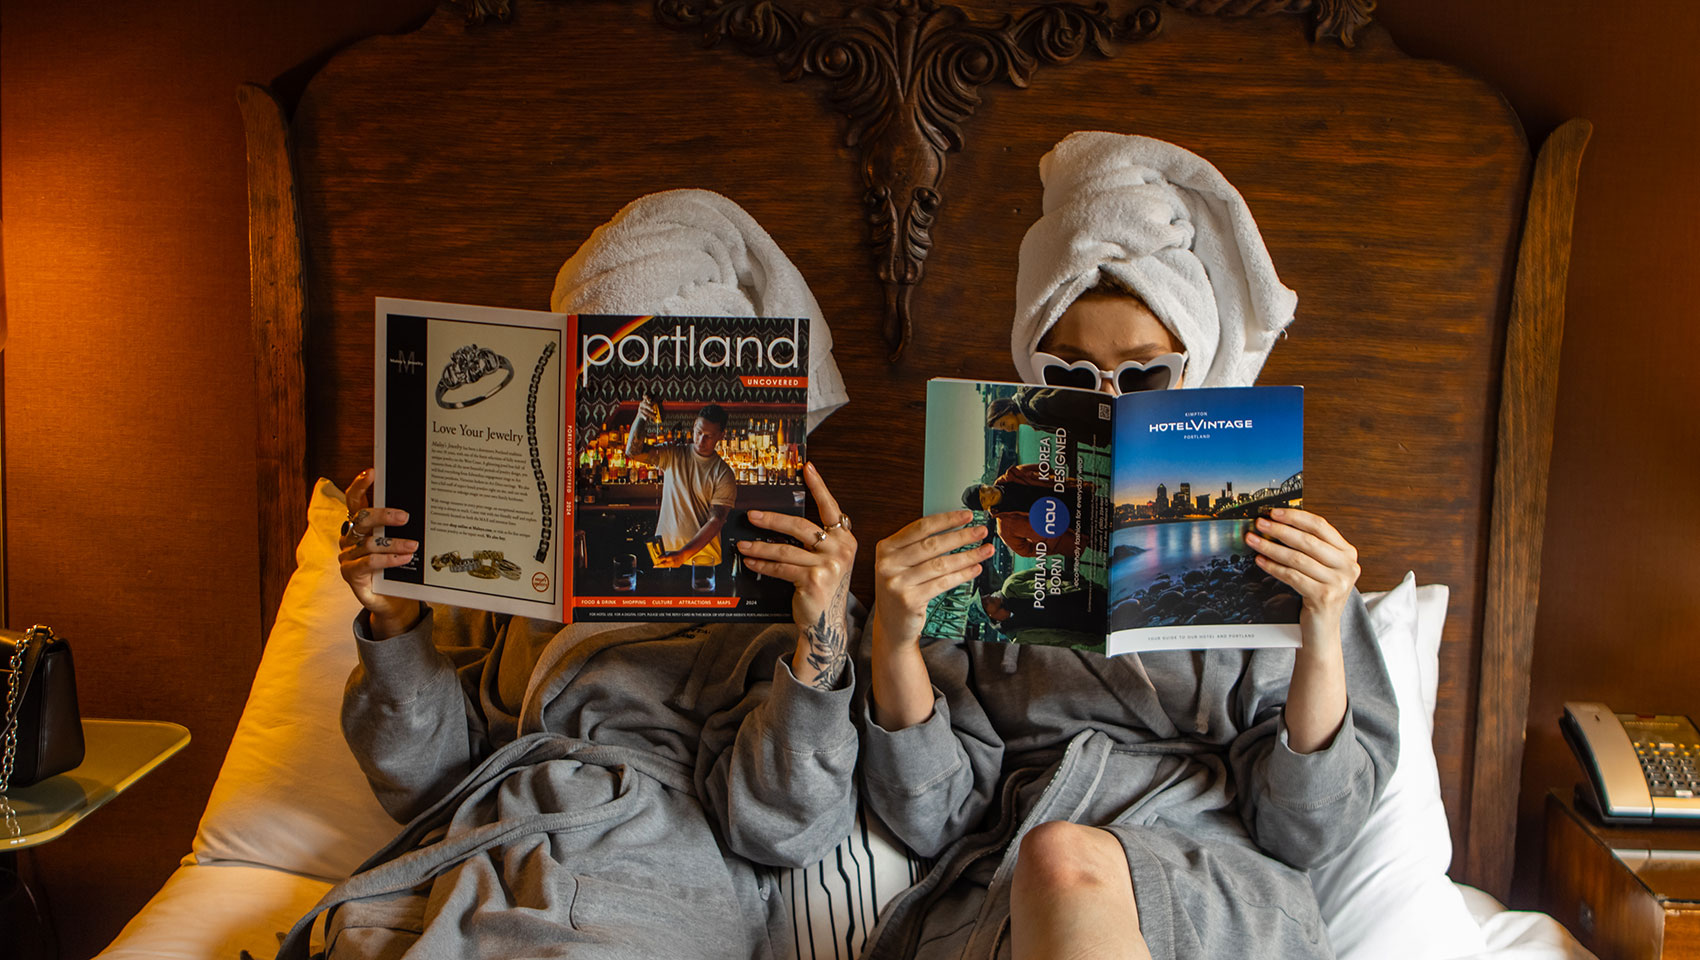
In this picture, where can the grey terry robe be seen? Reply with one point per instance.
(1181, 755)
(591, 791)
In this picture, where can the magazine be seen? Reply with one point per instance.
(577, 467)
(1118, 522)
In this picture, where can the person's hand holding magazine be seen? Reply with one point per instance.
(911, 567)
(366, 551)
(1305, 552)
(820, 570)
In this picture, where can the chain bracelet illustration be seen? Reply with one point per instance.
(536, 462)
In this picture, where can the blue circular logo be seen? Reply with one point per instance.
(1048, 516)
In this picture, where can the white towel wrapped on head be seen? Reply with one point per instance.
(1163, 222)
(696, 253)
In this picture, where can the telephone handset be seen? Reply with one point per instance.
(1641, 768)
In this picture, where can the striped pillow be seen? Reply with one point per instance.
(834, 903)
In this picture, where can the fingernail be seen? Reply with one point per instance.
(756, 514)
(410, 545)
(403, 514)
(1252, 537)
(1262, 524)
(1278, 512)
(743, 544)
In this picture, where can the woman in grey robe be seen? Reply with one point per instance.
(607, 790)
(1149, 805)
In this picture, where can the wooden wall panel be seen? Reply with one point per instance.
(128, 387)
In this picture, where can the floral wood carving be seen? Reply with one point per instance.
(907, 75)
(1339, 19)
(478, 11)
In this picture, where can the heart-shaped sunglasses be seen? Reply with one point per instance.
(1130, 376)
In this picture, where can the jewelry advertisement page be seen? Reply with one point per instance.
(469, 418)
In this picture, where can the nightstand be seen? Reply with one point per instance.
(1628, 893)
(116, 754)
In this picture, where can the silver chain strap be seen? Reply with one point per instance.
(13, 827)
(14, 692)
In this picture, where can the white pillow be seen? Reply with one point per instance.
(1431, 619)
(834, 903)
(1388, 894)
(289, 794)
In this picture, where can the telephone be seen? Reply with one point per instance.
(1640, 767)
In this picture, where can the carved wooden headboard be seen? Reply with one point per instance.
(891, 149)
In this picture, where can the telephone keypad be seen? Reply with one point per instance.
(1670, 767)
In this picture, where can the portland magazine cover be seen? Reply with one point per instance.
(724, 404)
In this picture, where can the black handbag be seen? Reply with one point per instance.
(43, 733)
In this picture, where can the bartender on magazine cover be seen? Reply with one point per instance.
(698, 489)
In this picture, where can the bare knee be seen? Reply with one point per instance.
(1060, 856)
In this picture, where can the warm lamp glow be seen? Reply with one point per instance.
(3, 612)
(2, 284)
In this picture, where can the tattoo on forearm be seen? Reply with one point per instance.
(829, 641)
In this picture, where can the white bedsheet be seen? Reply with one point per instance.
(213, 911)
(1520, 934)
